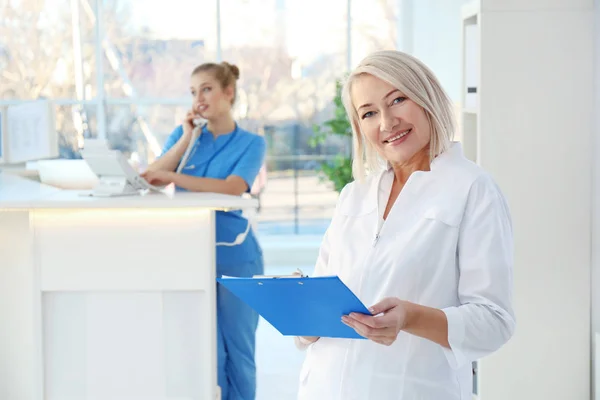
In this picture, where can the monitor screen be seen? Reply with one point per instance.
(29, 133)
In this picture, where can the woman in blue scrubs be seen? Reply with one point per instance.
(223, 159)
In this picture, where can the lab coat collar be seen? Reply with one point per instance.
(420, 179)
(453, 153)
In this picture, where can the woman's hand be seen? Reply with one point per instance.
(159, 178)
(302, 342)
(383, 328)
(308, 339)
(188, 124)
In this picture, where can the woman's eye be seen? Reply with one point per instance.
(193, 93)
(398, 100)
(206, 89)
(368, 114)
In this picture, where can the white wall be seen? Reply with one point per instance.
(536, 139)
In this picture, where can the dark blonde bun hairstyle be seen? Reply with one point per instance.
(235, 71)
(226, 74)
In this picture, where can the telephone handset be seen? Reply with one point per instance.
(198, 125)
(198, 122)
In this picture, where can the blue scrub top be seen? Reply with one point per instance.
(238, 153)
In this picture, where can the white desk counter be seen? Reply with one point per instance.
(107, 298)
(19, 193)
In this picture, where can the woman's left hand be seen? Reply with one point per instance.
(158, 178)
(384, 328)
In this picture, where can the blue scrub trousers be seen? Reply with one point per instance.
(236, 336)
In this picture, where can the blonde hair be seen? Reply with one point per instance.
(416, 81)
(226, 74)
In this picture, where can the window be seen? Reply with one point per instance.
(151, 48)
(46, 50)
(375, 25)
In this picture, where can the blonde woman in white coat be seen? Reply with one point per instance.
(423, 236)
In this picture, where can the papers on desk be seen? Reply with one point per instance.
(300, 306)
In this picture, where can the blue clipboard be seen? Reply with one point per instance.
(300, 306)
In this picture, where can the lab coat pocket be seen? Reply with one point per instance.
(446, 216)
(352, 227)
(306, 366)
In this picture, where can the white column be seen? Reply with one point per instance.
(218, 17)
(281, 20)
(78, 66)
(101, 95)
(77, 56)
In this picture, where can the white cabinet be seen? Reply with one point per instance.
(470, 86)
(531, 126)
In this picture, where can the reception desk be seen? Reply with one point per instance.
(107, 298)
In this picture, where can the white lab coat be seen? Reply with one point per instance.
(446, 243)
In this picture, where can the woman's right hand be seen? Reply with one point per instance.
(188, 125)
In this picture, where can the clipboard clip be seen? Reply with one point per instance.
(297, 274)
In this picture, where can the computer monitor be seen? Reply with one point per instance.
(28, 132)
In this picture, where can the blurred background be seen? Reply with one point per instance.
(119, 70)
